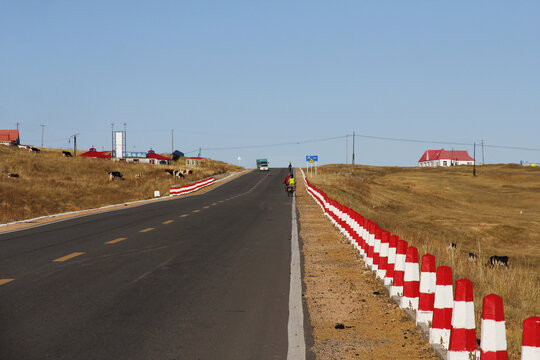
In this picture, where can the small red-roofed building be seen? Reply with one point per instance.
(93, 153)
(9, 137)
(443, 157)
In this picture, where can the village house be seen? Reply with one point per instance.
(194, 161)
(445, 158)
(9, 137)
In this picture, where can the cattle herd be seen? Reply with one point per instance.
(494, 261)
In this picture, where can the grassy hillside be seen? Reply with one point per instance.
(494, 213)
(50, 183)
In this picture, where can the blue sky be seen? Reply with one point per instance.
(248, 73)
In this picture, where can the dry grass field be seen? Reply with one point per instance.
(49, 183)
(495, 213)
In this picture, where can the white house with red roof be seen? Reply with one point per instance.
(445, 158)
(9, 137)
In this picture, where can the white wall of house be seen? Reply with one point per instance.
(443, 162)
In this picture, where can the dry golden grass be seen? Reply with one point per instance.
(494, 213)
(51, 184)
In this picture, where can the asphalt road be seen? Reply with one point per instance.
(202, 277)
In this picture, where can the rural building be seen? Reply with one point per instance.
(445, 158)
(194, 161)
(177, 155)
(9, 137)
(149, 157)
(93, 153)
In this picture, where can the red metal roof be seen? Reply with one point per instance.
(9, 135)
(458, 155)
(153, 155)
(195, 158)
(97, 154)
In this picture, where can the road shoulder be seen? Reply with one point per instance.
(340, 290)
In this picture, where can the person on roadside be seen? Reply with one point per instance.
(292, 181)
(290, 168)
(286, 181)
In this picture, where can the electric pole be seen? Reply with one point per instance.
(42, 133)
(474, 162)
(74, 136)
(112, 137)
(172, 141)
(125, 136)
(18, 126)
(353, 138)
(483, 163)
(347, 149)
(199, 152)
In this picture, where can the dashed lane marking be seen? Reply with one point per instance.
(196, 211)
(146, 230)
(184, 215)
(167, 222)
(115, 241)
(206, 207)
(214, 204)
(5, 281)
(67, 257)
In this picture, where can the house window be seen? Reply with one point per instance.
(445, 163)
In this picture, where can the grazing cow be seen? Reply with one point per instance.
(170, 172)
(66, 154)
(472, 257)
(138, 176)
(34, 149)
(498, 261)
(178, 174)
(116, 175)
(452, 246)
(12, 175)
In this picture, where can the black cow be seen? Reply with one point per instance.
(496, 260)
(66, 154)
(473, 257)
(33, 149)
(12, 175)
(116, 175)
(452, 246)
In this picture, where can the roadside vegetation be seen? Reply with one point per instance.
(49, 183)
(495, 213)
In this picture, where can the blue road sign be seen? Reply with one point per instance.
(312, 158)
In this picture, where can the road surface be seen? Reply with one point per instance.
(201, 277)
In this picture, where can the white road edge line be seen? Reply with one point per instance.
(297, 342)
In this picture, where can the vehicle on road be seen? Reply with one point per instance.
(262, 164)
(291, 188)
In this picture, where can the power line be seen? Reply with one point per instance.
(274, 145)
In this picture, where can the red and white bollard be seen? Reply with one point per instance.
(428, 281)
(411, 280)
(399, 269)
(493, 332)
(442, 308)
(530, 348)
(463, 335)
(376, 249)
(371, 240)
(383, 257)
(391, 260)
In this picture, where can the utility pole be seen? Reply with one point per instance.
(74, 136)
(452, 158)
(353, 138)
(172, 141)
(125, 136)
(42, 133)
(199, 152)
(18, 126)
(112, 137)
(347, 149)
(483, 163)
(474, 162)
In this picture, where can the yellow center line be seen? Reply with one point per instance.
(67, 257)
(146, 230)
(5, 281)
(206, 207)
(168, 222)
(184, 215)
(214, 204)
(115, 241)
(220, 201)
(196, 211)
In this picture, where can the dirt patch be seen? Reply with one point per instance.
(352, 317)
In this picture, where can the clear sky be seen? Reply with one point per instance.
(248, 73)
